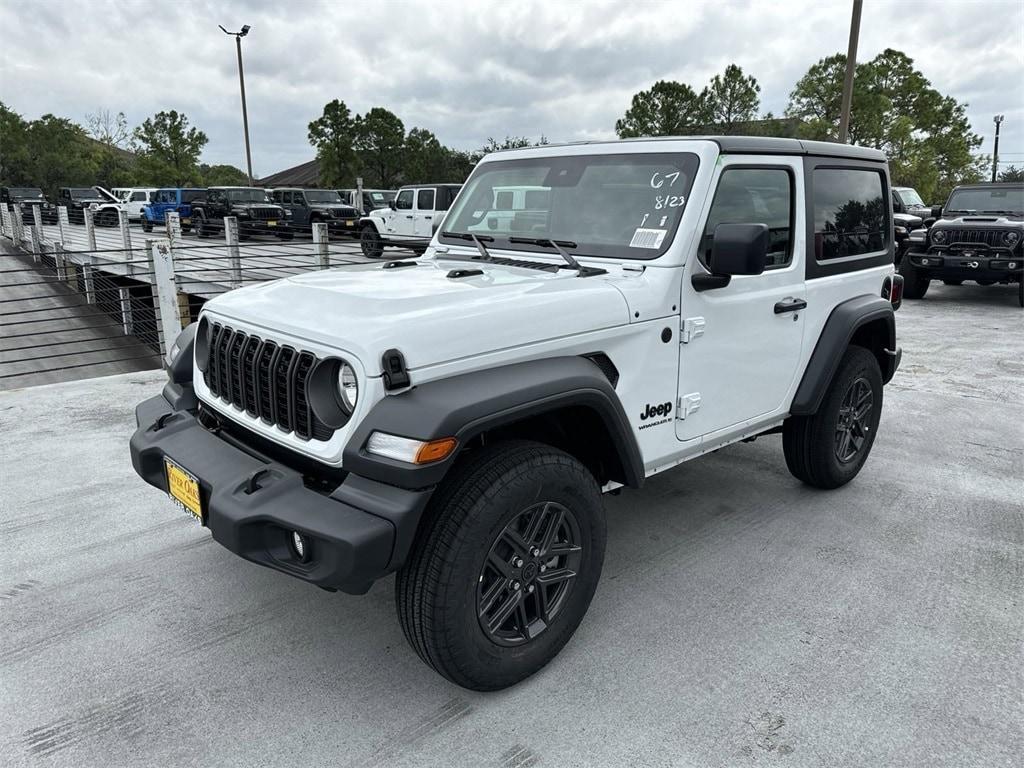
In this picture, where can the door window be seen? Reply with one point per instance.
(404, 200)
(851, 217)
(425, 200)
(138, 197)
(754, 196)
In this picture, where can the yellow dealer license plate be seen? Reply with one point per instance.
(271, 223)
(183, 488)
(350, 223)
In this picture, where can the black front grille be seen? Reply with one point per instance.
(265, 214)
(990, 238)
(266, 380)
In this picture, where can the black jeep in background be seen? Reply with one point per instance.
(309, 206)
(977, 236)
(26, 199)
(250, 205)
(77, 199)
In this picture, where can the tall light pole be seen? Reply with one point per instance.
(851, 69)
(241, 83)
(998, 119)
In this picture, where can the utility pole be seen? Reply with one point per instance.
(241, 82)
(851, 68)
(998, 119)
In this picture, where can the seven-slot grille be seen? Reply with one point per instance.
(266, 380)
(266, 214)
(992, 238)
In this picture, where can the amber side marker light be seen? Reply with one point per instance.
(408, 450)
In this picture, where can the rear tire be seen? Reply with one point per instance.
(370, 241)
(828, 448)
(472, 599)
(915, 281)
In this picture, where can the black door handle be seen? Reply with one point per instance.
(790, 305)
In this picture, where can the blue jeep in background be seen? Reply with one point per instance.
(170, 199)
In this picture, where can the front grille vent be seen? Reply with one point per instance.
(266, 380)
(991, 238)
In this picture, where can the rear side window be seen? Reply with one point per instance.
(851, 214)
(754, 196)
(425, 200)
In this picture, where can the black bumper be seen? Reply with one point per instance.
(358, 533)
(969, 266)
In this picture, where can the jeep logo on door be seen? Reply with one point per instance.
(652, 411)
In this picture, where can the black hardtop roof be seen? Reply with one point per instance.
(184, 189)
(759, 145)
(414, 186)
(987, 184)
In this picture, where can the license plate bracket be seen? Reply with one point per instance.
(183, 488)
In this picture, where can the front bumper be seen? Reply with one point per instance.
(359, 532)
(966, 265)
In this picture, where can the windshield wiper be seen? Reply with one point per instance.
(1005, 213)
(557, 245)
(477, 241)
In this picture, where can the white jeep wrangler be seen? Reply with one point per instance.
(456, 419)
(408, 221)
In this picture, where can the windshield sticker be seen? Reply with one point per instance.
(647, 238)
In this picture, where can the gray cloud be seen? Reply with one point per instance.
(470, 71)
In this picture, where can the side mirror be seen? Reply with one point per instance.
(391, 204)
(936, 211)
(736, 249)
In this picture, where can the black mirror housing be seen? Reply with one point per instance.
(936, 211)
(391, 204)
(739, 249)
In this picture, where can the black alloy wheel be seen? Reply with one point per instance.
(855, 420)
(529, 573)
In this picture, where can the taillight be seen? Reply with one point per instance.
(892, 289)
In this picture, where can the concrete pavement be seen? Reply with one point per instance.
(742, 619)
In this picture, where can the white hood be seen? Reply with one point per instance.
(430, 317)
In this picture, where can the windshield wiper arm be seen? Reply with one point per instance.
(477, 241)
(555, 244)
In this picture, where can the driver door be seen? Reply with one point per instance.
(741, 344)
(401, 221)
(423, 217)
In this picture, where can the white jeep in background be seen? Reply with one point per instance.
(409, 221)
(455, 419)
(134, 199)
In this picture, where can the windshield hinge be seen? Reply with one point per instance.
(395, 374)
(692, 328)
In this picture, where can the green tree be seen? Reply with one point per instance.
(333, 136)
(1013, 173)
(222, 176)
(169, 149)
(14, 155)
(424, 158)
(379, 140)
(60, 153)
(926, 135)
(669, 108)
(732, 98)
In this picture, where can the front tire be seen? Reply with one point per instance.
(828, 448)
(915, 281)
(507, 561)
(370, 242)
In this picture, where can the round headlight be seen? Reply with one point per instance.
(348, 387)
(939, 236)
(1011, 238)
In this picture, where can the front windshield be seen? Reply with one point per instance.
(84, 192)
(1008, 200)
(618, 205)
(247, 196)
(326, 196)
(378, 199)
(910, 197)
(25, 193)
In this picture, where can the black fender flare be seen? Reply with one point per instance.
(839, 330)
(466, 405)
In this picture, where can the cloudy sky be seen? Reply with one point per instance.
(468, 71)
